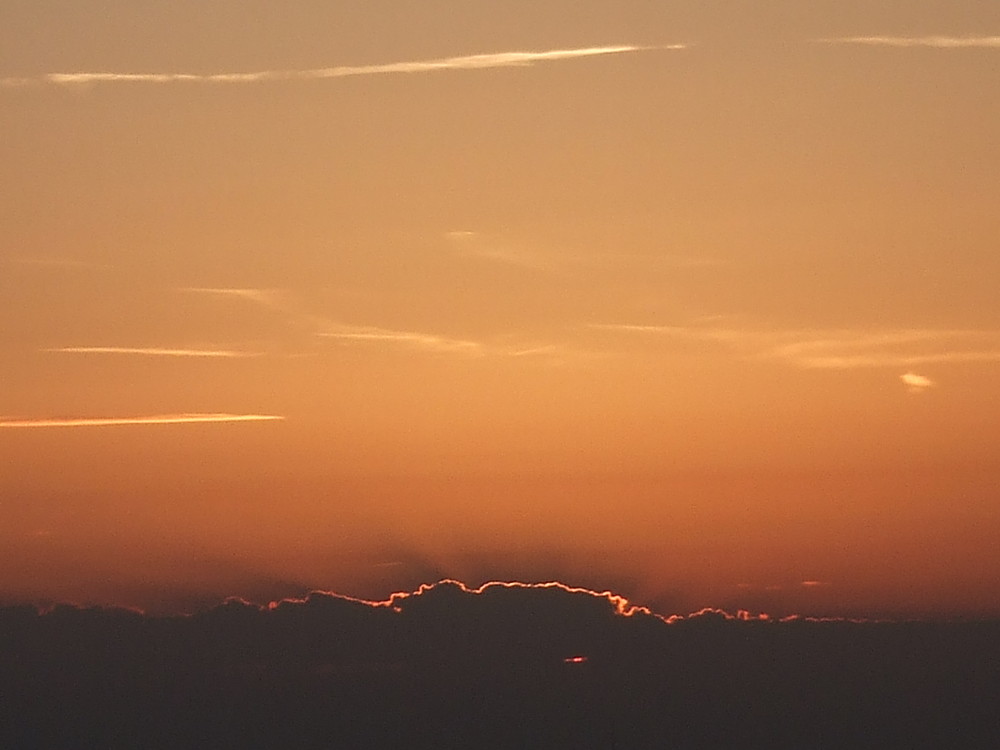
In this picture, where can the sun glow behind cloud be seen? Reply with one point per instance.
(620, 605)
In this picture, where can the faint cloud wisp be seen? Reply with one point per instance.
(475, 245)
(157, 352)
(323, 327)
(269, 297)
(429, 341)
(938, 42)
(839, 349)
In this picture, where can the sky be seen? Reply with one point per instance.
(695, 301)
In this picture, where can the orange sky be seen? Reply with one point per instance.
(692, 300)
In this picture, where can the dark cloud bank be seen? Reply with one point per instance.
(450, 668)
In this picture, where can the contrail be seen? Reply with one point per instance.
(466, 62)
(155, 351)
(940, 42)
(155, 419)
(429, 341)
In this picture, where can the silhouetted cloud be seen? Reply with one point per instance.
(464, 62)
(501, 665)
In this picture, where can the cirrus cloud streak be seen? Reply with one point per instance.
(156, 352)
(157, 419)
(838, 349)
(464, 62)
(938, 42)
(428, 341)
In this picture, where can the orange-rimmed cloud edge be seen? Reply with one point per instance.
(620, 605)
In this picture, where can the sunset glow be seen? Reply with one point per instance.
(684, 305)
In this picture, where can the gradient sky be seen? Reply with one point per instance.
(695, 300)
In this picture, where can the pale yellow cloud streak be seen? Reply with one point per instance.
(157, 419)
(916, 383)
(428, 341)
(156, 352)
(351, 334)
(464, 62)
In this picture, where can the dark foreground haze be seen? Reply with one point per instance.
(507, 666)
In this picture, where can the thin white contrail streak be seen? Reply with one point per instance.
(150, 420)
(155, 351)
(940, 42)
(466, 62)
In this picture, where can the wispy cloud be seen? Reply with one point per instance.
(700, 333)
(916, 383)
(939, 42)
(465, 62)
(156, 351)
(475, 245)
(504, 347)
(879, 359)
(542, 350)
(352, 334)
(323, 327)
(158, 419)
(428, 341)
(469, 244)
(269, 297)
(66, 263)
(845, 350)
(839, 349)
